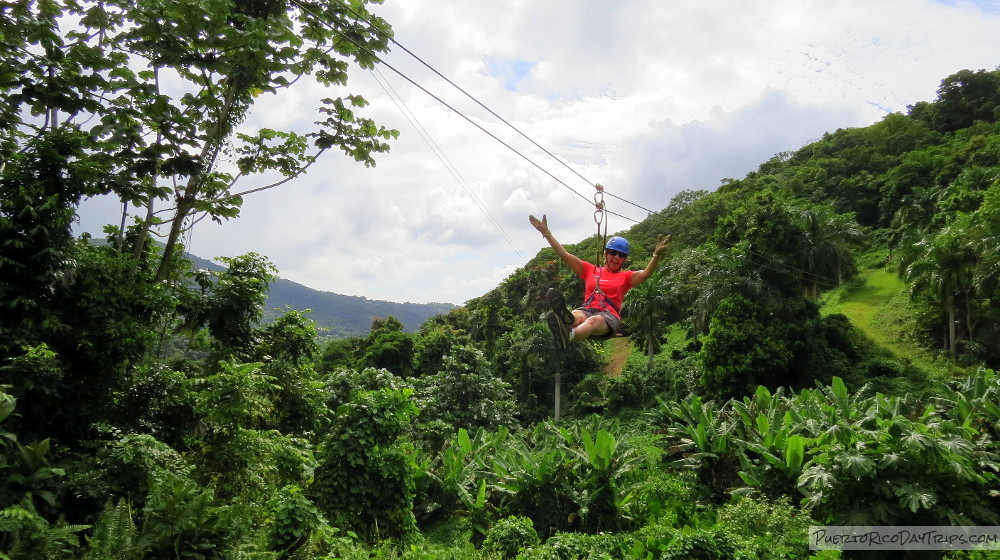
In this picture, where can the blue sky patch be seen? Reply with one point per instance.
(987, 6)
(510, 71)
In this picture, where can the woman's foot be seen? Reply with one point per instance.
(558, 306)
(560, 331)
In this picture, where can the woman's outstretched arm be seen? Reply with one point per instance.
(572, 261)
(640, 276)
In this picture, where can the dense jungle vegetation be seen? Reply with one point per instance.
(146, 411)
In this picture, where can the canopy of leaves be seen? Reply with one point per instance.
(146, 411)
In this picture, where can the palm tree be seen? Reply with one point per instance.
(711, 275)
(824, 255)
(942, 269)
(645, 308)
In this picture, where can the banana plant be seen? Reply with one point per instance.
(703, 434)
(27, 465)
(600, 450)
(464, 474)
(699, 426)
(606, 468)
(770, 451)
(536, 477)
(463, 464)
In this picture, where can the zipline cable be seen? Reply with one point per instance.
(601, 208)
(504, 121)
(425, 135)
(438, 99)
(750, 253)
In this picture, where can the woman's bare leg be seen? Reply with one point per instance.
(584, 328)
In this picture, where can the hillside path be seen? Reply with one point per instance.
(870, 309)
(621, 347)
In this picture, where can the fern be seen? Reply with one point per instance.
(25, 535)
(115, 535)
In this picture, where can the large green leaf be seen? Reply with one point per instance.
(7, 404)
(795, 453)
(463, 441)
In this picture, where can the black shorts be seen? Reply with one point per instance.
(614, 323)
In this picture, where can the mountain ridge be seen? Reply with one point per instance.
(337, 315)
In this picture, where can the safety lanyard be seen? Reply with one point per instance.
(598, 273)
(600, 218)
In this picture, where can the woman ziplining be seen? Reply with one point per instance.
(604, 289)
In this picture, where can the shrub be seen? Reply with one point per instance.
(705, 544)
(510, 536)
(433, 345)
(767, 530)
(363, 481)
(466, 393)
(342, 383)
(576, 546)
(453, 530)
(293, 519)
(25, 535)
(664, 497)
(745, 346)
(637, 387)
(115, 535)
(185, 520)
(123, 465)
(897, 461)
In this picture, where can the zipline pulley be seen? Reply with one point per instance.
(600, 217)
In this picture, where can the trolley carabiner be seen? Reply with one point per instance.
(599, 217)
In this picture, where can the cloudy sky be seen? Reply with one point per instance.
(647, 97)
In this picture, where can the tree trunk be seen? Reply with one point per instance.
(186, 202)
(650, 342)
(183, 208)
(140, 240)
(147, 223)
(951, 326)
(558, 396)
(970, 322)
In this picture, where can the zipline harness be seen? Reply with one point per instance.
(600, 218)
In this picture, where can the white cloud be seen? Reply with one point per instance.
(727, 145)
(643, 96)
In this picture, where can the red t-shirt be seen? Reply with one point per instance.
(613, 286)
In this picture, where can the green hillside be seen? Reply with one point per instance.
(149, 411)
(877, 304)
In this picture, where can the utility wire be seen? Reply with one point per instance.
(806, 275)
(425, 135)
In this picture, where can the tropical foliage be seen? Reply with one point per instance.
(148, 409)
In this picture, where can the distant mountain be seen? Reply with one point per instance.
(348, 316)
(340, 316)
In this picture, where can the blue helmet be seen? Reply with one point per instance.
(617, 244)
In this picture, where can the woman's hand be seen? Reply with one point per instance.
(541, 225)
(661, 245)
(574, 262)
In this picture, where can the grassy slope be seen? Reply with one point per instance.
(878, 305)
